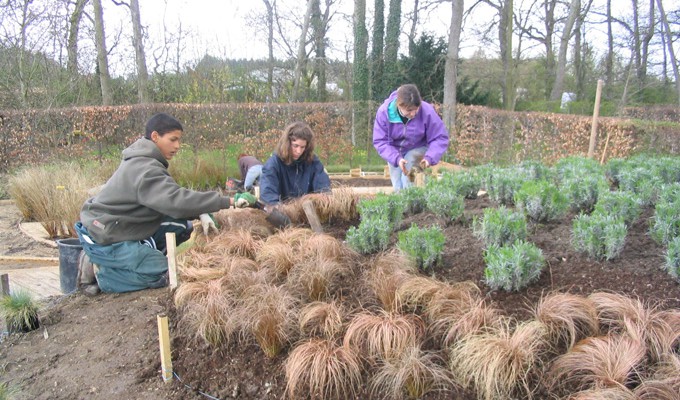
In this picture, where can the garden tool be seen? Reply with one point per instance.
(274, 216)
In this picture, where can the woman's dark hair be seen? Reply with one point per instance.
(408, 95)
(296, 130)
(162, 123)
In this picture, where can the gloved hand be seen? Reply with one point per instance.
(208, 223)
(242, 200)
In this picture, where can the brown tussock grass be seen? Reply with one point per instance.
(293, 209)
(389, 271)
(383, 335)
(204, 267)
(322, 319)
(450, 303)
(499, 362)
(411, 375)
(236, 242)
(318, 278)
(647, 323)
(208, 310)
(617, 393)
(478, 317)
(320, 369)
(270, 315)
(293, 237)
(599, 362)
(567, 317)
(247, 219)
(664, 383)
(277, 256)
(415, 291)
(321, 245)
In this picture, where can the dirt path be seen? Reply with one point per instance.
(13, 242)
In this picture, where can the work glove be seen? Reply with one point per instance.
(242, 200)
(208, 223)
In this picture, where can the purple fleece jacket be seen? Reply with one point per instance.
(392, 138)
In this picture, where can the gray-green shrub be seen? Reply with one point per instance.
(425, 245)
(500, 226)
(665, 225)
(672, 264)
(372, 234)
(389, 206)
(642, 182)
(612, 169)
(512, 267)
(465, 183)
(576, 167)
(600, 236)
(541, 201)
(444, 202)
(504, 184)
(620, 204)
(583, 193)
(413, 199)
(534, 170)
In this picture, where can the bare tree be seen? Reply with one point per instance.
(669, 43)
(302, 52)
(270, 5)
(567, 33)
(451, 68)
(72, 41)
(102, 54)
(377, 62)
(360, 65)
(140, 56)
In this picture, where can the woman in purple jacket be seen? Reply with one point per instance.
(408, 131)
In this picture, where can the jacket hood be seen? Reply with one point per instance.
(144, 147)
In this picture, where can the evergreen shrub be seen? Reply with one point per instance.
(512, 267)
(425, 245)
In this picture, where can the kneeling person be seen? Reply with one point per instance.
(122, 228)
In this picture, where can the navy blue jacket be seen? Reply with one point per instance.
(281, 182)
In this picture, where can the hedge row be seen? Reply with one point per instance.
(481, 134)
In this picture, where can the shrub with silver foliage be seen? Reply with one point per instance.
(512, 267)
(372, 235)
(673, 258)
(541, 201)
(600, 236)
(500, 226)
(425, 246)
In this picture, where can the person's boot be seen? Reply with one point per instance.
(87, 279)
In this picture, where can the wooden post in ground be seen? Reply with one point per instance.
(171, 246)
(312, 216)
(257, 191)
(164, 344)
(596, 114)
(420, 179)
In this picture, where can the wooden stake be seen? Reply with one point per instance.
(604, 151)
(4, 284)
(420, 179)
(257, 191)
(596, 114)
(312, 217)
(171, 246)
(164, 343)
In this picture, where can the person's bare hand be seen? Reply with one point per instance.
(402, 165)
(424, 164)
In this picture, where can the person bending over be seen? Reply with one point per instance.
(293, 170)
(122, 228)
(251, 169)
(408, 132)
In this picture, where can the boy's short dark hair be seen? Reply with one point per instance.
(162, 123)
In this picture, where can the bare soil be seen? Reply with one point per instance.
(107, 346)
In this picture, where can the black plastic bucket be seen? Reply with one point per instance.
(69, 254)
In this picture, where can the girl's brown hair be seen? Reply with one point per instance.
(408, 95)
(296, 130)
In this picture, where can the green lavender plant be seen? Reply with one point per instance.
(413, 199)
(541, 201)
(500, 226)
(505, 182)
(619, 204)
(600, 236)
(425, 245)
(372, 235)
(486, 174)
(444, 202)
(391, 207)
(642, 182)
(665, 225)
(672, 264)
(20, 311)
(583, 193)
(512, 267)
(576, 167)
(613, 168)
(465, 183)
(534, 170)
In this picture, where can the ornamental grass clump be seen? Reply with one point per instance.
(20, 311)
(541, 201)
(512, 267)
(672, 264)
(322, 319)
(317, 278)
(444, 202)
(665, 224)
(411, 375)
(600, 236)
(567, 317)
(583, 192)
(618, 204)
(497, 363)
(384, 279)
(319, 369)
(425, 245)
(500, 226)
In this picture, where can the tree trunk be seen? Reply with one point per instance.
(270, 47)
(72, 41)
(140, 56)
(609, 61)
(377, 62)
(414, 24)
(451, 68)
(560, 70)
(669, 42)
(392, 45)
(319, 24)
(360, 75)
(102, 57)
(302, 52)
(505, 36)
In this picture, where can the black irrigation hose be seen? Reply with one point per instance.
(189, 387)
